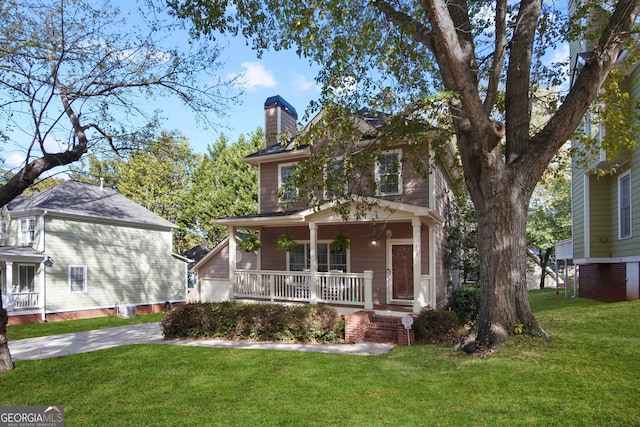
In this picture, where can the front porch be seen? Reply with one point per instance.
(353, 291)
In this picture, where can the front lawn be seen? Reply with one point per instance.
(588, 375)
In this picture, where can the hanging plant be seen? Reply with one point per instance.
(340, 242)
(250, 244)
(286, 243)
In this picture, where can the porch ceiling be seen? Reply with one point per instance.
(383, 210)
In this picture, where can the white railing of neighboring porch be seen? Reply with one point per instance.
(332, 288)
(25, 300)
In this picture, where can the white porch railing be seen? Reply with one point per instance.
(332, 288)
(25, 300)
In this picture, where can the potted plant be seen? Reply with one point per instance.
(250, 243)
(340, 242)
(286, 243)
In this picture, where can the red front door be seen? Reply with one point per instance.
(402, 271)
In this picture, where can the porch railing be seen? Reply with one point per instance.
(25, 300)
(332, 288)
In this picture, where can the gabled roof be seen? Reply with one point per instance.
(73, 198)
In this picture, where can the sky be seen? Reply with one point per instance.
(275, 73)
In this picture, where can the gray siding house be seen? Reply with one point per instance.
(79, 250)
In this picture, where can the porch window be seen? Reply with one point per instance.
(26, 230)
(624, 206)
(26, 278)
(389, 173)
(286, 192)
(78, 278)
(335, 178)
(328, 259)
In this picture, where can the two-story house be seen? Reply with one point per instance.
(80, 250)
(605, 200)
(393, 259)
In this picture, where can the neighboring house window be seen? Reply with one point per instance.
(78, 278)
(389, 173)
(26, 230)
(285, 173)
(624, 206)
(335, 178)
(328, 259)
(4, 230)
(26, 278)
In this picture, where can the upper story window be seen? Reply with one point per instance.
(285, 173)
(624, 206)
(335, 178)
(4, 230)
(26, 230)
(389, 173)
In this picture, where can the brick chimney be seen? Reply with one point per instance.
(280, 120)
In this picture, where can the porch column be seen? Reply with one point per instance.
(9, 282)
(419, 294)
(368, 290)
(313, 262)
(231, 246)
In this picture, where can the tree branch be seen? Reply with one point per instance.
(498, 55)
(417, 30)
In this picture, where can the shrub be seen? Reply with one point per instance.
(436, 326)
(266, 322)
(465, 301)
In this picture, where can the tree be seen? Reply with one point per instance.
(222, 185)
(549, 218)
(478, 62)
(73, 81)
(155, 176)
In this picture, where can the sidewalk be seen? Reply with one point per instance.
(151, 333)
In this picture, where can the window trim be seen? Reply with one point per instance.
(624, 234)
(398, 152)
(31, 232)
(326, 193)
(307, 243)
(281, 182)
(84, 279)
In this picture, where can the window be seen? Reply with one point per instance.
(328, 259)
(78, 278)
(26, 278)
(285, 173)
(624, 206)
(26, 230)
(335, 178)
(4, 230)
(389, 173)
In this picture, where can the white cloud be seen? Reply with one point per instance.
(254, 76)
(302, 84)
(14, 160)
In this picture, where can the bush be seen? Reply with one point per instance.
(264, 322)
(436, 326)
(465, 301)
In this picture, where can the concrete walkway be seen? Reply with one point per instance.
(151, 333)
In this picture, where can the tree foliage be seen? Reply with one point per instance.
(222, 185)
(156, 176)
(468, 70)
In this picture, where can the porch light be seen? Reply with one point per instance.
(374, 242)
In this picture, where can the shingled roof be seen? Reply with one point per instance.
(92, 201)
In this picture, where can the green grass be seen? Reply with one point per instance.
(588, 376)
(19, 332)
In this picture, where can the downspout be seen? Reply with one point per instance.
(44, 266)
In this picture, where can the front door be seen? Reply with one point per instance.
(400, 272)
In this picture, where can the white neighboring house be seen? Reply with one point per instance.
(80, 250)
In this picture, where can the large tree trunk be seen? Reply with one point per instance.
(6, 363)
